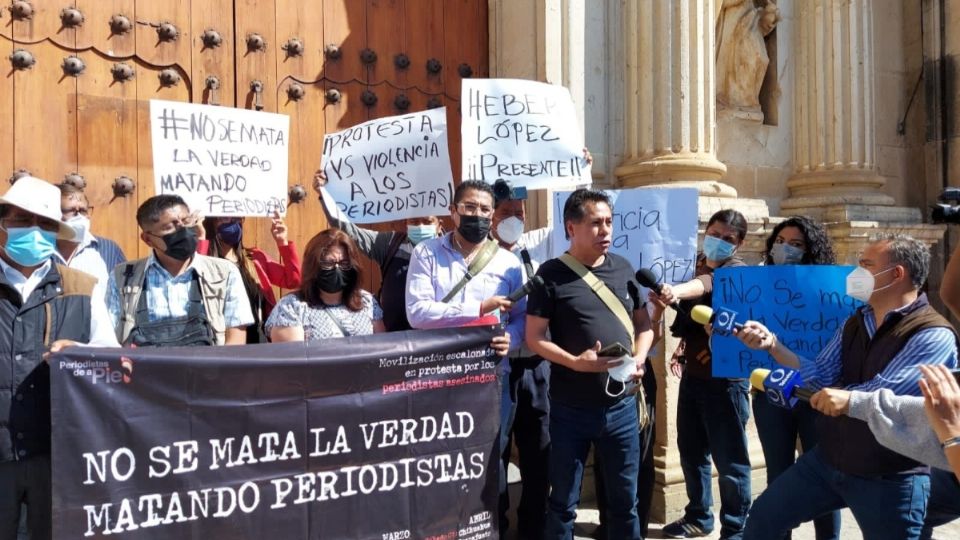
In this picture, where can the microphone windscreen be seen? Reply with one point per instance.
(757, 377)
(701, 314)
(646, 278)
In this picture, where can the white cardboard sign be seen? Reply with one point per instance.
(390, 168)
(222, 161)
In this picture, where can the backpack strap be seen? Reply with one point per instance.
(487, 251)
(604, 293)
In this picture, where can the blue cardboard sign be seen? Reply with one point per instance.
(803, 305)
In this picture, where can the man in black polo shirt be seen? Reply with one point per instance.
(588, 406)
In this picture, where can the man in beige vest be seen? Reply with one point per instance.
(175, 296)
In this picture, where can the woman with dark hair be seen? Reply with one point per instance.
(712, 413)
(796, 240)
(330, 302)
(223, 237)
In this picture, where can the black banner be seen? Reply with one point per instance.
(389, 436)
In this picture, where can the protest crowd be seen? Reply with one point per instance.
(878, 422)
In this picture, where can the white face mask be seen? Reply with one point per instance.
(622, 374)
(860, 283)
(785, 254)
(510, 230)
(80, 225)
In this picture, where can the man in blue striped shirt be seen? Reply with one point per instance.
(886, 491)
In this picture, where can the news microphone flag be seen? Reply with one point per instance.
(783, 386)
(724, 320)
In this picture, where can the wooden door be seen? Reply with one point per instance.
(357, 60)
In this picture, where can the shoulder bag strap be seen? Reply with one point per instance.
(337, 322)
(486, 254)
(602, 291)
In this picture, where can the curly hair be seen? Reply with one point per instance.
(819, 248)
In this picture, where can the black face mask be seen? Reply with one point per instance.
(181, 243)
(336, 280)
(474, 229)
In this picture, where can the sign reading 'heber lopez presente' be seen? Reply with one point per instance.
(384, 436)
(222, 161)
(525, 132)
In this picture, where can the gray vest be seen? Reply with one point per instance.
(213, 273)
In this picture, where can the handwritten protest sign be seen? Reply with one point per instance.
(653, 228)
(222, 161)
(522, 131)
(390, 168)
(803, 305)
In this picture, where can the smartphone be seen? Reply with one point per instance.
(616, 350)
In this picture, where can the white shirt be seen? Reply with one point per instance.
(87, 259)
(101, 331)
(436, 266)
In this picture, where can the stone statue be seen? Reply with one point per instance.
(741, 52)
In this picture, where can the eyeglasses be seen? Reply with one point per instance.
(342, 265)
(73, 212)
(24, 221)
(470, 209)
(174, 226)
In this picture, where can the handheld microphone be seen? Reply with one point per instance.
(783, 386)
(723, 320)
(527, 288)
(646, 278)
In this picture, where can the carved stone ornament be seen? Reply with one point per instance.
(741, 52)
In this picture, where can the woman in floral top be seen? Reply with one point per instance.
(330, 302)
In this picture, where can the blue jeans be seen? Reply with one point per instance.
(712, 419)
(944, 504)
(890, 506)
(613, 432)
(778, 429)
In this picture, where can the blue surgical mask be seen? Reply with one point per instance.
(785, 254)
(30, 246)
(419, 233)
(716, 249)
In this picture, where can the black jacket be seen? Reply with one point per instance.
(59, 308)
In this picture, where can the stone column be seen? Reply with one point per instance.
(835, 169)
(670, 109)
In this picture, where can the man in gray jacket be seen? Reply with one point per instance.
(922, 428)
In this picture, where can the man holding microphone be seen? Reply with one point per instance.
(879, 347)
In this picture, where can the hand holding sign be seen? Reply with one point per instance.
(278, 228)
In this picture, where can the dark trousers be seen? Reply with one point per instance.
(531, 433)
(944, 504)
(712, 419)
(646, 478)
(26, 482)
(885, 507)
(778, 429)
(612, 431)
(508, 407)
